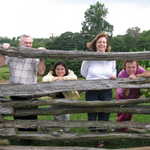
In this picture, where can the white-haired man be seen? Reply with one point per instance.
(24, 71)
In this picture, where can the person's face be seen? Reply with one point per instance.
(26, 42)
(101, 44)
(131, 68)
(60, 71)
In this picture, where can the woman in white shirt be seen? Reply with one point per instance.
(98, 70)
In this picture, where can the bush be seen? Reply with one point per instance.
(4, 73)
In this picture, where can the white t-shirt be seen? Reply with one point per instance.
(93, 70)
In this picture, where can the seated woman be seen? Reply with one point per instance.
(61, 72)
(131, 69)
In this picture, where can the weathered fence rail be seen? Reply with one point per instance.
(66, 110)
(74, 55)
(43, 89)
(75, 137)
(72, 124)
(62, 148)
(55, 107)
(71, 103)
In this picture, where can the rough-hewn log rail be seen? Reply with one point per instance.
(77, 137)
(71, 110)
(64, 148)
(74, 55)
(43, 89)
(48, 148)
(6, 110)
(65, 110)
(72, 103)
(72, 124)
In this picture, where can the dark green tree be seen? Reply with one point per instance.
(134, 32)
(131, 38)
(67, 41)
(144, 41)
(40, 42)
(95, 21)
(118, 44)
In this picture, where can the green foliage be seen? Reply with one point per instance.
(40, 42)
(4, 73)
(127, 42)
(144, 41)
(95, 20)
(118, 44)
(67, 41)
(146, 92)
(4, 40)
(13, 41)
(52, 43)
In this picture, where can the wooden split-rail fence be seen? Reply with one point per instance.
(65, 106)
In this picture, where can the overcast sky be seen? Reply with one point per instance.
(42, 18)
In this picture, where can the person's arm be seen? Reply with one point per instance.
(70, 76)
(145, 74)
(41, 67)
(114, 70)
(122, 93)
(2, 60)
(140, 70)
(48, 78)
(84, 68)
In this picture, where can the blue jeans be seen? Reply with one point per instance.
(63, 117)
(99, 95)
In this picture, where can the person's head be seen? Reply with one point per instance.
(60, 69)
(25, 41)
(131, 66)
(100, 43)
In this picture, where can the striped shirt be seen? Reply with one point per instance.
(23, 70)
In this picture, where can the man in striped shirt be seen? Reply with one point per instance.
(23, 71)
